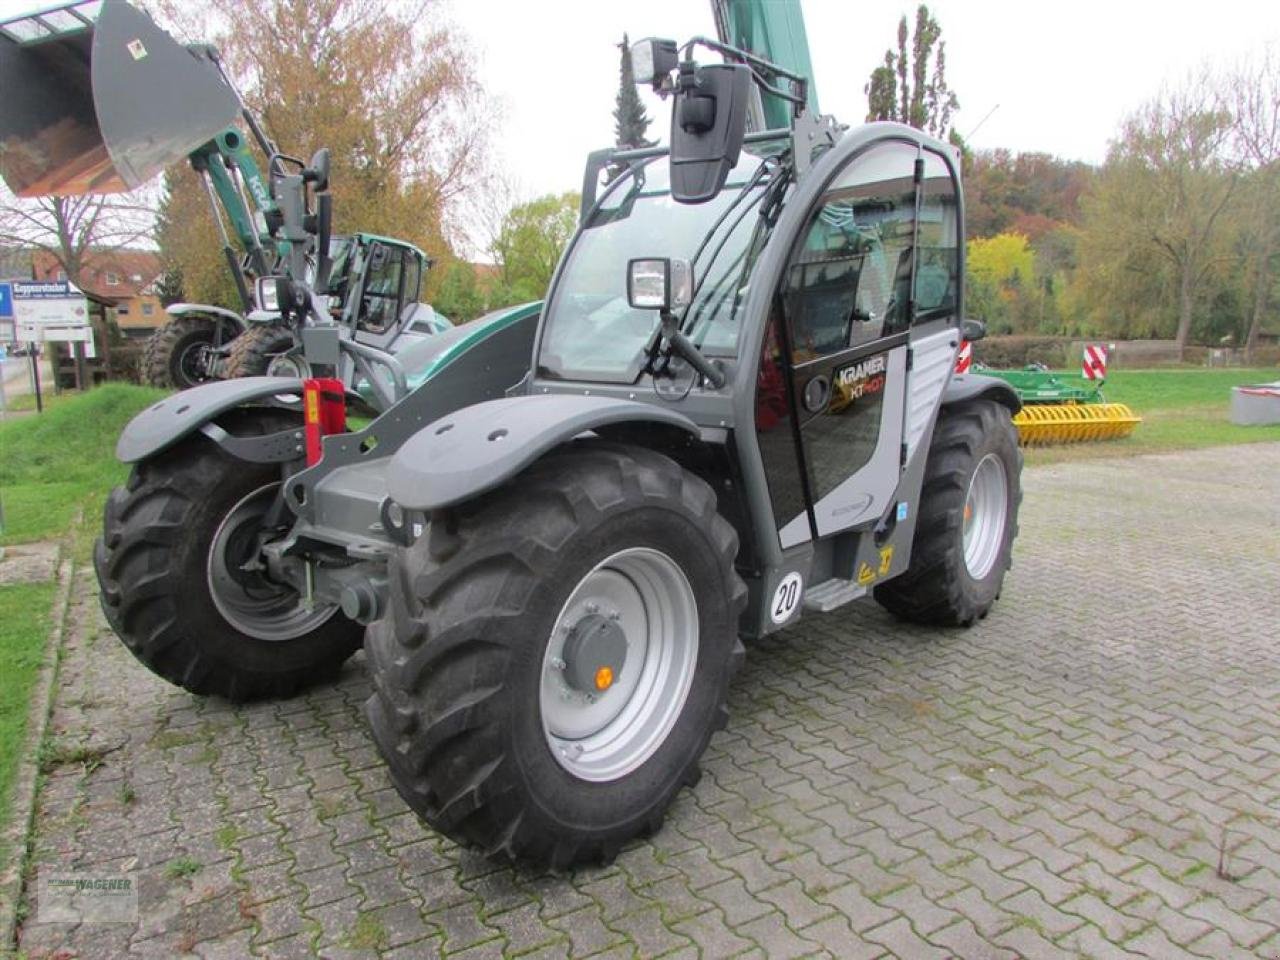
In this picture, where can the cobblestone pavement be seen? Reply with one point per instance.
(1094, 770)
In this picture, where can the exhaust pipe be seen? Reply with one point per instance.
(98, 99)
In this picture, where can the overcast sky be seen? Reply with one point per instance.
(1059, 75)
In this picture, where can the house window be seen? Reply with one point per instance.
(122, 310)
(148, 309)
(62, 275)
(135, 277)
(113, 279)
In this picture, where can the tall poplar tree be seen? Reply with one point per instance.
(907, 87)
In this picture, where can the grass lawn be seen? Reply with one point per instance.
(24, 624)
(1180, 409)
(54, 464)
(52, 467)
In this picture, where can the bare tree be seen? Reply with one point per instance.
(70, 229)
(1252, 93)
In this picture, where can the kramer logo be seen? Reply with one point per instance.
(860, 371)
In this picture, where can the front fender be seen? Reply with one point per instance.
(163, 424)
(475, 449)
(972, 386)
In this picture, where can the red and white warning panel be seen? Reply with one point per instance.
(1095, 362)
(964, 359)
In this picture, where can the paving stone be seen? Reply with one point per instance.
(714, 937)
(903, 941)
(776, 939)
(586, 932)
(835, 935)
(859, 911)
(961, 939)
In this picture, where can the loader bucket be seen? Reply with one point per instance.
(1040, 424)
(98, 99)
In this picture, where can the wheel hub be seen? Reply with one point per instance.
(247, 598)
(594, 653)
(619, 664)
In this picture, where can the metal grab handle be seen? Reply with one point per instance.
(366, 358)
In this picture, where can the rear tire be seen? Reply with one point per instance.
(170, 357)
(461, 659)
(154, 570)
(251, 353)
(972, 478)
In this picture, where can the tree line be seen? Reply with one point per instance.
(1174, 236)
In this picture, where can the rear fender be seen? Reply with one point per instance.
(479, 447)
(974, 386)
(163, 424)
(229, 324)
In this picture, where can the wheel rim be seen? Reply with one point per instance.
(985, 510)
(247, 600)
(190, 367)
(642, 595)
(288, 365)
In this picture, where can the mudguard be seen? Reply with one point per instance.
(971, 386)
(479, 447)
(163, 424)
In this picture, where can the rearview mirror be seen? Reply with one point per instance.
(655, 283)
(972, 329)
(708, 122)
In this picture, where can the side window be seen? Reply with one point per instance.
(774, 428)
(380, 306)
(937, 243)
(412, 277)
(849, 282)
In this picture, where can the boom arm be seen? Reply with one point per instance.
(772, 30)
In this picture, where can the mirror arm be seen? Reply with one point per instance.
(688, 352)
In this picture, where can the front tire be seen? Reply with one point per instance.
(967, 519)
(171, 356)
(503, 616)
(174, 587)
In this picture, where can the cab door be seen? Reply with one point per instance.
(391, 284)
(838, 347)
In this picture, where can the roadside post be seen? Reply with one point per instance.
(6, 335)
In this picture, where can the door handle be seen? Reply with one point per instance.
(816, 394)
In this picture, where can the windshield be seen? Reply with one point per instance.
(591, 332)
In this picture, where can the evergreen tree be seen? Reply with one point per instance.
(631, 123)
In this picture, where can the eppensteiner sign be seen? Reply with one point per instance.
(51, 310)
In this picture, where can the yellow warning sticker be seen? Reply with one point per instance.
(886, 560)
(865, 574)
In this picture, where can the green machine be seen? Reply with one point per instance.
(86, 132)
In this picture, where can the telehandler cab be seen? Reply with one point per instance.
(737, 405)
